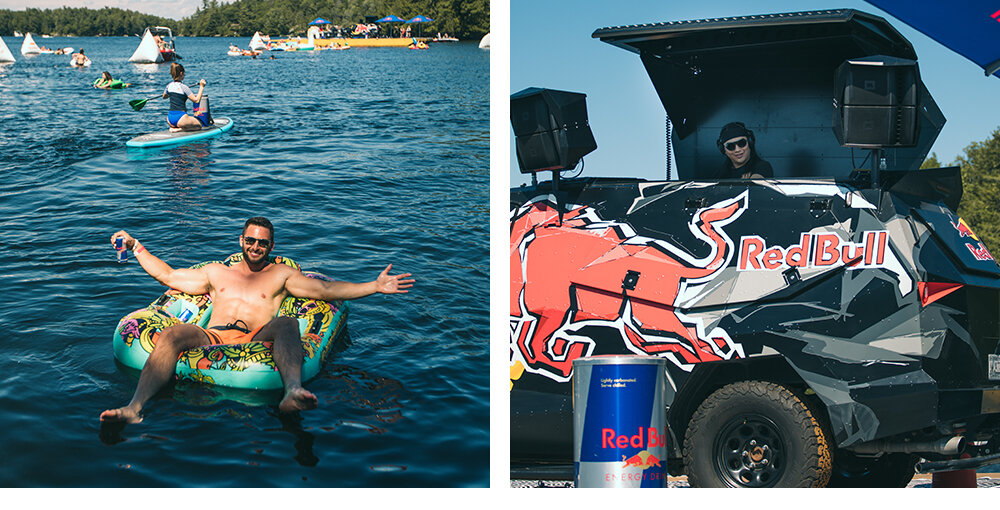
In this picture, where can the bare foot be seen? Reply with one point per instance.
(122, 414)
(298, 399)
(174, 130)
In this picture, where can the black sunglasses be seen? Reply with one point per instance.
(264, 243)
(741, 143)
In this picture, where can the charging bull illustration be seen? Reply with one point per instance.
(584, 271)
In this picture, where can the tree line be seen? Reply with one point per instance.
(465, 19)
(980, 205)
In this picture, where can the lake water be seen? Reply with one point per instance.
(359, 158)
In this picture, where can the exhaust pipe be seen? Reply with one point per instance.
(945, 446)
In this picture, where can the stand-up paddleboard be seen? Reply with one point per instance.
(163, 138)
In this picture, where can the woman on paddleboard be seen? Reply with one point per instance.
(179, 93)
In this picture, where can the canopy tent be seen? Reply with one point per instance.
(970, 28)
(419, 19)
(392, 18)
(147, 52)
(5, 55)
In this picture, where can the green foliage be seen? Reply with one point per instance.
(931, 162)
(980, 206)
(465, 19)
(74, 21)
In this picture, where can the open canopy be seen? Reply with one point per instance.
(319, 21)
(970, 28)
(419, 19)
(392, 18)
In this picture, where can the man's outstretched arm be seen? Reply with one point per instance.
(302, 286)
(190, 281)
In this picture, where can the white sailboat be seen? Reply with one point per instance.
(484, 43)
(257, 43)
(147, 52)
(5, 55)
(28, 47)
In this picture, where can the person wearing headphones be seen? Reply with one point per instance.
(736, 142)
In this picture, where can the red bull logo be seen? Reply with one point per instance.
(978, 250)
(585, 271)
(635, 468)
(814, 250)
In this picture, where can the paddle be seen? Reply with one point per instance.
(137, 104)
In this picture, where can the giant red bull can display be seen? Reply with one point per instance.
(619, 421)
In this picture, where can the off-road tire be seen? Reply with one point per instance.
(756, 434)
(891, 470)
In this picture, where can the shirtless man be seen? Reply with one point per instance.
(248, 294)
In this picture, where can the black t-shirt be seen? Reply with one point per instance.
(754, 166)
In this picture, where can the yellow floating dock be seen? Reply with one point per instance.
(382, 42)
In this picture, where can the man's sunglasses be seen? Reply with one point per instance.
(741, 143)
(264, 243)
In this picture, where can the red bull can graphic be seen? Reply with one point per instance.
(620, 421)
(122, 252)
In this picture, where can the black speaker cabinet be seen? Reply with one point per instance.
(550, 129)
(876, 101)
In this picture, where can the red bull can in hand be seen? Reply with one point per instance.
(620, 421)
(122, 252)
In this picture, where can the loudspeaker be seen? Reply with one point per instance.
(876, 100)
(550, 129)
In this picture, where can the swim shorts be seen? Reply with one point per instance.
(230, 334)
(174, 116)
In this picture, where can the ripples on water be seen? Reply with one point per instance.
(360, 158)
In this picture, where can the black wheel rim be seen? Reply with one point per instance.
(750, 452)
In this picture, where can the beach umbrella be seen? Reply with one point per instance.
(419, 19)
(319, 21)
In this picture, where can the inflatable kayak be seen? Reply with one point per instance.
(247, 365)
(162, 138)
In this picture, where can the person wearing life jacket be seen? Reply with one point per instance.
(107, 82)
(177, 117)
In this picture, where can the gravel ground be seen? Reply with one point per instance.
(919, 482)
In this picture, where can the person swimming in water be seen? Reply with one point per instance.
(79, 59)
(107, 82)
(249, 294)
(177, 117)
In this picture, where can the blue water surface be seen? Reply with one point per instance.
(360, 158)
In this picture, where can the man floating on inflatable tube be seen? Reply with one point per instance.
(245, 299)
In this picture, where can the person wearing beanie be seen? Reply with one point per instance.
(736, 142)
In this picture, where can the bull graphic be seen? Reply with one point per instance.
(584, 271)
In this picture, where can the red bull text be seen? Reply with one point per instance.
(814, 250)
(619, 421)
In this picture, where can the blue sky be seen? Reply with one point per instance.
(551, 47)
